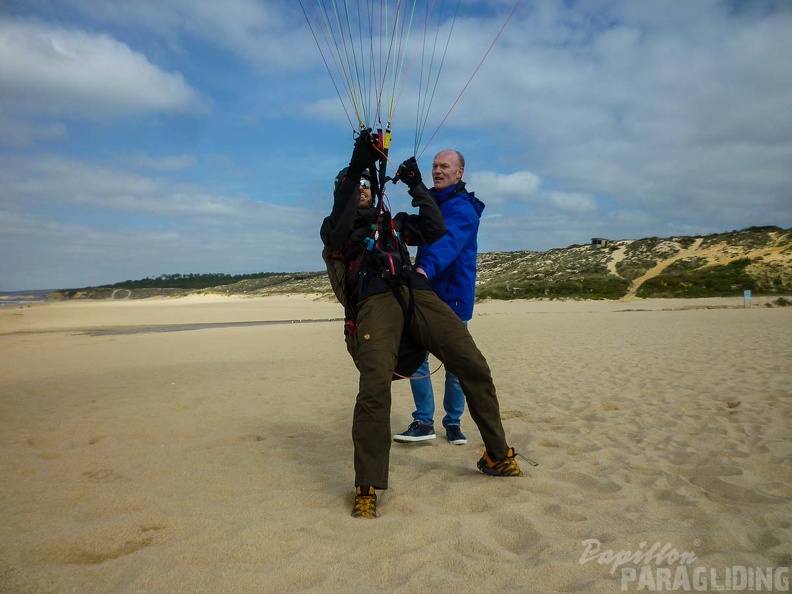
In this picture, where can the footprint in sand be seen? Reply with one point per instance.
(718, 490)
(105, 475)
(590, 483)
(564, 514)
(103, 543)
(513, 414)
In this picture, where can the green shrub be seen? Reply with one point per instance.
(717, 281)
(599, 287)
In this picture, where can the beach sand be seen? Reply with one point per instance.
(219, 458)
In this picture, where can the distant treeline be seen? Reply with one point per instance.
(188, 281)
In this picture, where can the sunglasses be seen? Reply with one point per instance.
(364, 183)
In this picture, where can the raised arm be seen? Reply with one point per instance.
(337, 227)
(428, 225)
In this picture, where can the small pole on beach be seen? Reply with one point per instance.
(747, 298)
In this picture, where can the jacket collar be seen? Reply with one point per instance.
(446, 193)
(459, 190)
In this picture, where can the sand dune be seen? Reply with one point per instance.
(219, 459)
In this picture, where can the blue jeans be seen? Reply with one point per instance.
(423, 395)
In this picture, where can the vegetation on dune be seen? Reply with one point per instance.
(588, 287)
(750, 237)
(189, 281)
(722, 264)
(715, 281)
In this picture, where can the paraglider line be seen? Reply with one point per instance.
(489, 49)
(327, 66)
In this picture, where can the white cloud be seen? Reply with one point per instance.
(680, 111)
(66, 223)
(52, 70)
(611, 118)
(571, 202)
(526, 188)
(265, 33)
(521, 186)
(52, 182)
(23, 134)
(159, 163)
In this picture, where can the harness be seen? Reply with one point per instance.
(380, 262)
(384, 259)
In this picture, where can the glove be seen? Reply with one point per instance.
(409, 173)
(365, 153)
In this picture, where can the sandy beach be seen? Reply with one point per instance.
(185, 445)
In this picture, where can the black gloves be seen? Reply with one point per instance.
(365, 154)
(409, 173)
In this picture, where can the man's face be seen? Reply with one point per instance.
(446, 170)
(365, 194)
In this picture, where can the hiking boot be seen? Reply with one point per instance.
(506, 467)
(417, 431)
(365, 503)
(455, 435)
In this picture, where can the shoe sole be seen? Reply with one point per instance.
(407, 439)
(458, 441)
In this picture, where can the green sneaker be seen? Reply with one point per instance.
(365, 503)
(506, 467)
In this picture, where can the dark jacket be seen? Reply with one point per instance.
(370, 248)
(450, 262)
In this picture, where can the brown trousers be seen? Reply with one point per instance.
(374, 346)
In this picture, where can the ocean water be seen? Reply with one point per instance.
(22, 298)
(18, 302)
(205, 326)
(13, 302)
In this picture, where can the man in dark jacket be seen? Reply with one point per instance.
(385, 298)
(450, 265)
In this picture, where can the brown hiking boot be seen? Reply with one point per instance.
(506, 467)
(365, 503)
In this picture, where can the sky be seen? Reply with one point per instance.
(149, 137)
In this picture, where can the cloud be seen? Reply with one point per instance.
(505, 188)
(159, 162)
(593, 118)
(66, 223)
(22, 134)
(681, 112)
(526, 187)
(45, 69)
(571, 202)
(96, 190)
(266, 33)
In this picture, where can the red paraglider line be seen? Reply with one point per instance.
(470, 79)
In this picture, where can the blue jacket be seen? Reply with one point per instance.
(450, 262)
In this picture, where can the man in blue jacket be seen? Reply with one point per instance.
(450, 265)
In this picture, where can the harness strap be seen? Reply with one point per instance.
(407, 308)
